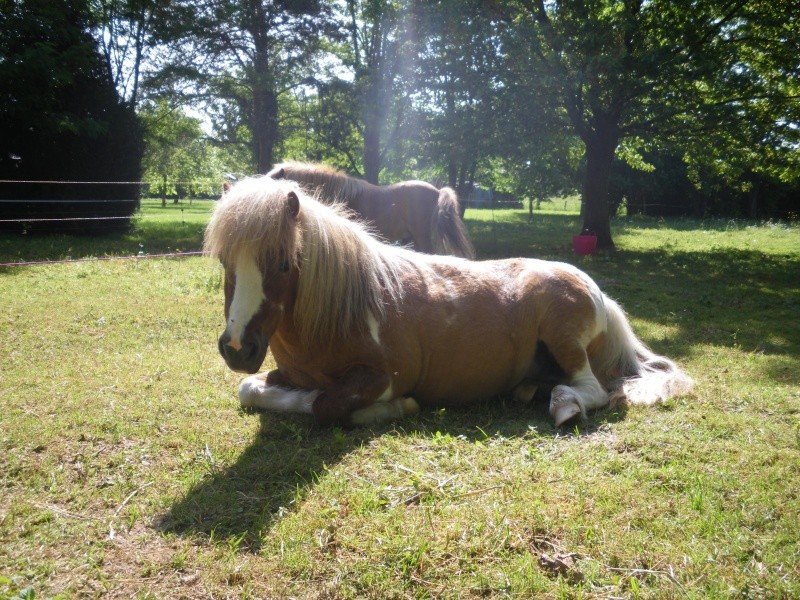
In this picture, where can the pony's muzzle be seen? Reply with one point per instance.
(248, 357)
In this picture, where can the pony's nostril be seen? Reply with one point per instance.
(247, 350)
(244, 356)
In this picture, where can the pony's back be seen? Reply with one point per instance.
(410, 210)
(327, 183)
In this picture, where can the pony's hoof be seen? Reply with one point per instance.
(524, 393)
(250, 390)
(383, 412)
(564, 412)
(409, 406)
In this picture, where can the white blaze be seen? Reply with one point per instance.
(247, 298)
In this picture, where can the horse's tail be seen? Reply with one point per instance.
(449, 235)
(634, 373)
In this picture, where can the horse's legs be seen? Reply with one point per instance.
(524, 393)
(582, 392)
(361, 396)
(420, 218)
(579, 390)
(267, 391)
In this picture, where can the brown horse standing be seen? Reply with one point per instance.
(409, 211)
(364, 332)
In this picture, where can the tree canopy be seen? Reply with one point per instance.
(632, 75)
(60, 116)
(607, 97)
(236, 58)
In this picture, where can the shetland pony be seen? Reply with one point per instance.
(364, 332)
(410, 211)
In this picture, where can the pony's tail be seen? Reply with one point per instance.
(634, 374)
(449, 235)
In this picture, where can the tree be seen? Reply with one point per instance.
(659, 72)
(178, 159)
(237, 58)
(123, 34)
(378, 52)
(458, 88)
(323, 124)
(61, 119)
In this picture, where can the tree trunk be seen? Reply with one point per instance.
(600, 148)
(375, 77)
(263, 125)
(372, 145)
(752, 197)
(264, 108)
(374, 111)
(452, 173)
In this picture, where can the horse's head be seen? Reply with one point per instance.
(260, 285)
(278, 172)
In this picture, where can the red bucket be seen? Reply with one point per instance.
(584, 245)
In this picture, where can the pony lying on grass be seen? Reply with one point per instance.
(409, 211)
(363, 332)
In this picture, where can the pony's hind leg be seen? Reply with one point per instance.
(582, 393)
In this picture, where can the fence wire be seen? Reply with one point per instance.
(62, 204)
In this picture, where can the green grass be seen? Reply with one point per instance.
(156, 230)
(127, 470)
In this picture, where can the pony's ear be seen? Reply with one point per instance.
(293, 204)
(280, 174)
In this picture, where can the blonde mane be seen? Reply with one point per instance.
(252, 217)
(335, 185)
(346, 275)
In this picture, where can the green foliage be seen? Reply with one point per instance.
(457, 97)
(534, 98)
(707, 79)
(179, 160)
(61, 119)
(322, 126)
(239, 59)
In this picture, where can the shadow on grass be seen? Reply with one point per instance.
(241, 502)
(238, 505)
(513, 234)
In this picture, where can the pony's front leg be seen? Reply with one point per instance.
(363, 395)
(271, 391)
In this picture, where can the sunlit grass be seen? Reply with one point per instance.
(154, 230)
(127, 469)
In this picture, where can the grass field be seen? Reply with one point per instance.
(127, 469)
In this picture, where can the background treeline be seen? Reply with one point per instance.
(659, 107)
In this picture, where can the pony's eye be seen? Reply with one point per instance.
(284, 268)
